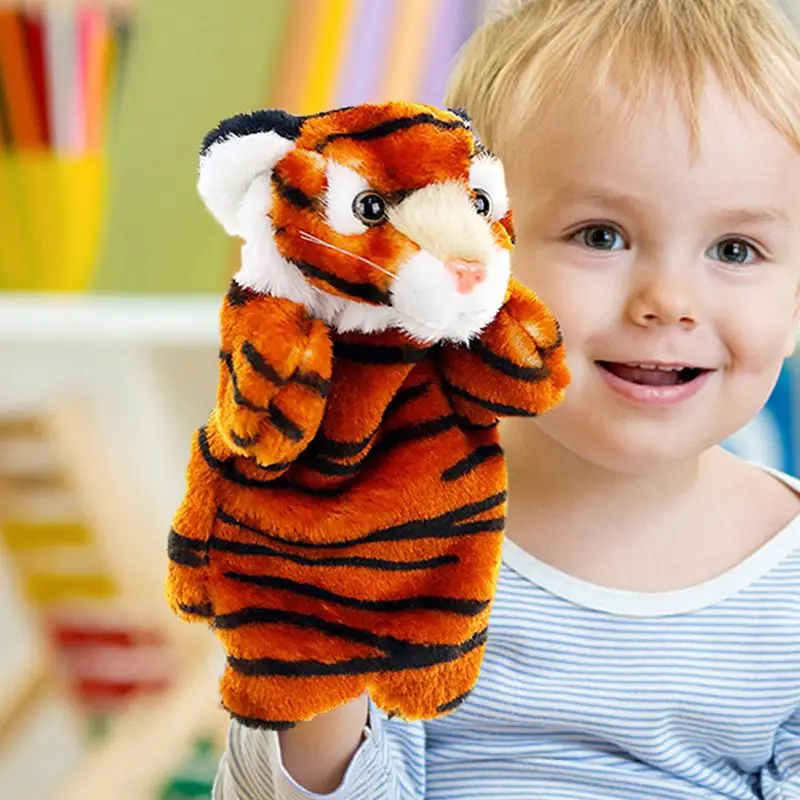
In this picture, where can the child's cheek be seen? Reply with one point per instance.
(756, 340)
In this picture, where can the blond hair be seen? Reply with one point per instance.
(528, 53)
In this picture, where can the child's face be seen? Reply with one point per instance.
(649, 254)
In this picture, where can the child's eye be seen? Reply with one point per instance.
(600, 237)
(734, 251)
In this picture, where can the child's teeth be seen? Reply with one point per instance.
(654, 367)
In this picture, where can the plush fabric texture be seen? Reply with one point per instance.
(343, 520)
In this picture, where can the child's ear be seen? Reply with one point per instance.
(234, 154)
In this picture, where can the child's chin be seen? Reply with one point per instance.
(646, 454)
(629, 447)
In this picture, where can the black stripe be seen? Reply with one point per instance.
(186, 559)
(286, 426)
(200, 610)
(359, 290)
(327, 113)
(390, 127)
(292, 194)
(443, 526)
(323, 446)
(227, 469)
(400, 650)
(401, 435)
(278, 466)
(237, 295)
(185, 551)
(498, 408)
(186, 543)
(477, 457)
(453, 704)
(391, 645)
(379, 354)
(417, 659)
(406, 395)
(291, 430)
(419, 430)
(276, 616)
(453, 605)
(240, 399)
(261, 365)
(256, 722)
(507, 367)
(248, 549)
(469, 425)
(482, 525)
(315, 381)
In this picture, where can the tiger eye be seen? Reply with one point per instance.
(482, 203)
(370, 208)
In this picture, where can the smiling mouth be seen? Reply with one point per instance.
(653, 374)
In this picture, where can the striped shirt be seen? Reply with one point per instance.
(589, 693)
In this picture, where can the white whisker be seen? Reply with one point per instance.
(314, 239)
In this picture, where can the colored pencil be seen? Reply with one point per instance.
(18, 82)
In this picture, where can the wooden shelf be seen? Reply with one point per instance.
(29, 318)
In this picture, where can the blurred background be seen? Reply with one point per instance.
(111, 273)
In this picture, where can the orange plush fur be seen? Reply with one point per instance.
(343, 521)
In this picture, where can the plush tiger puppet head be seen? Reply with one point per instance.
(373, 217)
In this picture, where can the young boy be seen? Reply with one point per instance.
(645, 639)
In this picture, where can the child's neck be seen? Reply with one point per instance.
(653, 532)
(546, 474)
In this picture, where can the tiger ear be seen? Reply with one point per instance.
(234, 154)
(460, 112)
(467, 120)
(507, 222)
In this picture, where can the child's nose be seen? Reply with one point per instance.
(663, 301)
(468, 274)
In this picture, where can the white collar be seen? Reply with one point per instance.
(626, 603)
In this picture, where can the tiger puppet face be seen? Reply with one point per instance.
(372, 217)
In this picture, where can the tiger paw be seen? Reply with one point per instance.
(275, 370)
(517, 367)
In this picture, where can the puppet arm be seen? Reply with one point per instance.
(275, 371)
(516, 368)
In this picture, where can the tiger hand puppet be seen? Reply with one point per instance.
(342, 526)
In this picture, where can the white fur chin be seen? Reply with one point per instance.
(429, 307)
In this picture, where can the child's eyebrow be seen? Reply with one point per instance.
(755, 216)
(576, 193)
(627, 203)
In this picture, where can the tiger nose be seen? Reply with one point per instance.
(468, 274)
